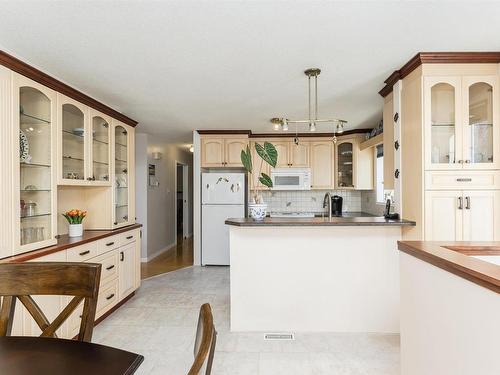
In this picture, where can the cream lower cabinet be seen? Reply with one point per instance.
(119, 256)
(462, 215)
(222, 151)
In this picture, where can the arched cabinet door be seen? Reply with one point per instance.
(480, 125)
(345, 165)
(35, 116)
(123, 180)
(100, 149)
(443, 123)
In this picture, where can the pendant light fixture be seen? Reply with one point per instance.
(281, 123)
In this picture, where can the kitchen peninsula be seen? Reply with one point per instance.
(315, 274)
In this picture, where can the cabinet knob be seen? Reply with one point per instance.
(396, 145)
(467, 161)
(396, 117)
(460, 162)
(396, 173)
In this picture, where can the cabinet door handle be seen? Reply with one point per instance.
(460, 162)
(122, 256)
(110, 296)
(129, 237)
(84, 252)
(460, 203)
(396, 173)
(467, 203)
(467, 161)
(464, 179)
(110, 243)
(396, 117)
(396, 145)
(110, 267)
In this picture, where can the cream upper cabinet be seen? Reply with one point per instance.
(299, 154)
(322, 164)
(222, 151)
(480, 122)
(461, 122)
(35, 120)
(232, 151)
(282, 149)
(123, 159)
(100, 148)
(353, 167)
(73, 120)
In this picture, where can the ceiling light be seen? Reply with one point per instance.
(276, 126)
(284, 125)
(313, 120)
(191, 148)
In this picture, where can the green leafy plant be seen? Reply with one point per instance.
(268, 154)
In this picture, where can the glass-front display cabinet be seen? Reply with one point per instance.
(73, 145)
(345, 161)
(443, 123)
(37, 186)
(121, 186)
(480, 129)
(100, 149)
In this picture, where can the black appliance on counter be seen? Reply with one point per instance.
(337, 205)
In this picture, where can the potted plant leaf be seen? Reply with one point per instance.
(268, 154)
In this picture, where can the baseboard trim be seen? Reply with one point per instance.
(158, 253)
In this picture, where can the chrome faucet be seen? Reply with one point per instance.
(327, 203)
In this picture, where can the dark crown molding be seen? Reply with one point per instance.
(36, 75)
(280, 135)
(438, 58)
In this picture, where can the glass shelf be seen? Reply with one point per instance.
(33, 216)
(34, 165)
(121, 161)
(100, 162)
(73, 134)
(101, 142)
(32, 120)
(120, 144)
(34, 190)
(121, 205)
(443, 125)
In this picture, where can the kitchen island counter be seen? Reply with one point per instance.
(319, 221)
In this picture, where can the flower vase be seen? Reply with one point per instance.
(75, 230)
(257, 211)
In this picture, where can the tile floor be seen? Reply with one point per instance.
(160, 323)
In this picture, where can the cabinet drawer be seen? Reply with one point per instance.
(128, 237)
(82, 253)
(108, 243)
(458, 180)
(108, 297)
(109, 266)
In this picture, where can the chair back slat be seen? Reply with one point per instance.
(204, 346)
(8, 305)
(23, 280)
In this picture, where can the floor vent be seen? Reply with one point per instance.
(279, 336)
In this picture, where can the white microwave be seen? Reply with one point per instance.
(291, 178)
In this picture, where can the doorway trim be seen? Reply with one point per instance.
(185, 199)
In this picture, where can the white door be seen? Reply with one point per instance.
(223, 188)
(215, 234)
(443, 215)
(481, 216)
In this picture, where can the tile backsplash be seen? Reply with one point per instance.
(309, 200)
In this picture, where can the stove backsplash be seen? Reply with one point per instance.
(309, 200)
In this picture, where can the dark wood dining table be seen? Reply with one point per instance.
(40, 356)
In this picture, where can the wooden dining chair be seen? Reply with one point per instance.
(204, 345)
(21, 281)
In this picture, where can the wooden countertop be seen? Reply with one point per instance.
(318, 222)
(458, 258)
(65, 242)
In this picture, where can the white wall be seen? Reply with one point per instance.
(141, 188)
(158, 203)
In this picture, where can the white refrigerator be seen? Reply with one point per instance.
(222, 197)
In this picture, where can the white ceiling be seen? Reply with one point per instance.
(176, 66)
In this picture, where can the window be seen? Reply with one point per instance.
(379, 173)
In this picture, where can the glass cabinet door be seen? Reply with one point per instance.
(100, 149)
(35, 161)
(73, 142)
(479, 132)
(444, 148)
(121, 175)
(345, 165)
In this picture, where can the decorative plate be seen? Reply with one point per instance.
(24, 147)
